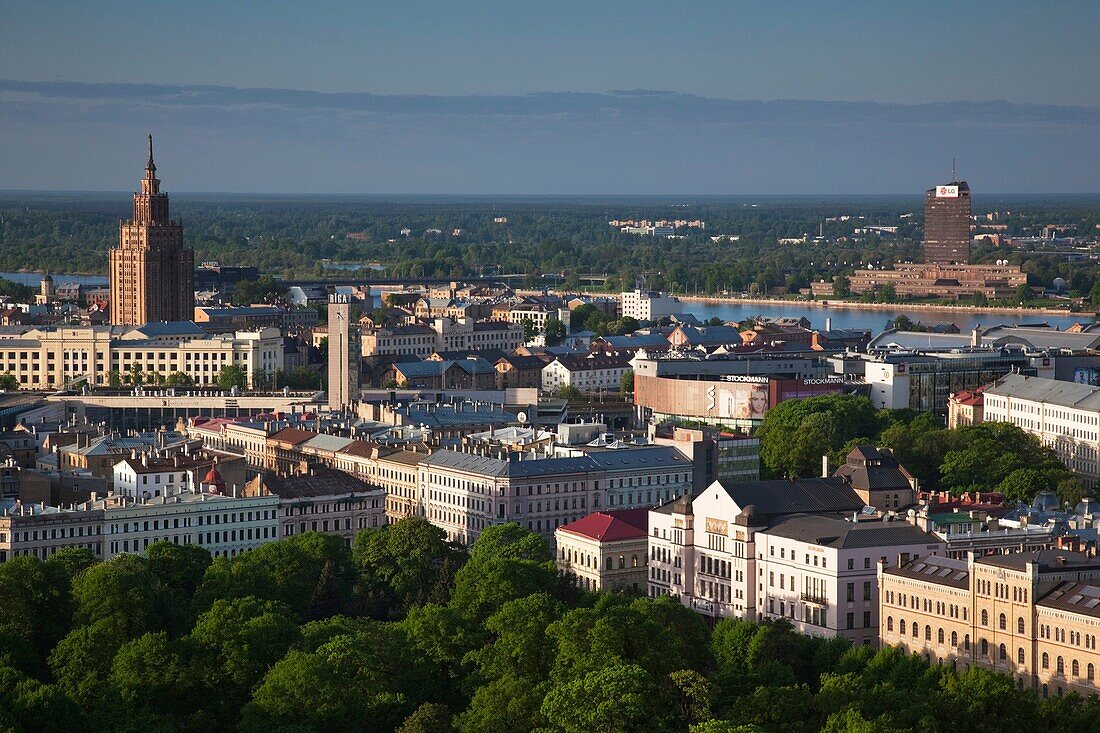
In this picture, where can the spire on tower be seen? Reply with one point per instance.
(150, 166)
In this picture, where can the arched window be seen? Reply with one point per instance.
(610, 563)
(954, 638)
(890, 623)
(633, 561)
(985, 648)
(966, 642)
(901, 626)
(985, 617)
(1061, 666)
(927, 633)
(1089, 672)
(1002, 623)
(1075, 668)
(916, 629)
(1002, 653)
(939, 636)
(1020, 625)
(1020, 655)
(622, 562)
(1046, 661)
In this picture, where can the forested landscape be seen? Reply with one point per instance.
(559, 239)
(408, 632)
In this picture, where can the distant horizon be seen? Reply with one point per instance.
(71, 136)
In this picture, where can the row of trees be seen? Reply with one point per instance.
(408, 632)
(985, 457)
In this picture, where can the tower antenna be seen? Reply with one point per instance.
(953, 176)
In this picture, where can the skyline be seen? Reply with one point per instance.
(68, 136)
(606, 99)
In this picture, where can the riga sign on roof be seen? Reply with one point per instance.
(947, 192)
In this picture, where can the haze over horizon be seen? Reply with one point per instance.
(793, 98)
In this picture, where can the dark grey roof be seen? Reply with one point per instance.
(872, 469)
(796, 496)
(1074, 598)
(1048, 560)
(935, 569)
(634, 458)
(512, 466)
(320, 482)
(842, 534)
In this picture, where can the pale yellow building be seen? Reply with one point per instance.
(606, 550)
(1032, 615)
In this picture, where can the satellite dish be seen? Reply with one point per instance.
(522, 417)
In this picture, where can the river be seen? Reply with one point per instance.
(876, 320)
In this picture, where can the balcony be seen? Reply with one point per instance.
(815, 599)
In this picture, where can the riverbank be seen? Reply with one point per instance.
(852, 305)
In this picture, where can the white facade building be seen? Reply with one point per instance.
(1065, 416)
(589, 374)
(649, 305)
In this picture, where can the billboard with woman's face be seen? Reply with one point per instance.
(743, 401)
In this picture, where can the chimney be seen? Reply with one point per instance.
(824, 465)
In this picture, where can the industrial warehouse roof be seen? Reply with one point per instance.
(842, 534)
(1048, 391)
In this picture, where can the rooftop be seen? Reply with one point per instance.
(935, 569)
(1049, 391)
(318, 482)
(625, 524)
(842, 534)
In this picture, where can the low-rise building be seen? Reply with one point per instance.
(1031, 615)
(1064, 416)
(606, 551)
(322, 500)
(588, 374)
(649, 305)
(820, 572)
(966, 407)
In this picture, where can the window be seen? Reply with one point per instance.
(1061, 666)
(851, 592)
(901, 626)
(1020, 655)
(1002, 653)
(1002, 623)
(1076, 668)
(985, 617)
(890, 623)
(939, 636)
(966, 642)
(1046, 661)
(985, 648)
(1020, 625)
(1089, 672)
(927, 633)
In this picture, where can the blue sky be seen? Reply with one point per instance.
(477, 61)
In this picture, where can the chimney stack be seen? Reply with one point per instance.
(824, 465)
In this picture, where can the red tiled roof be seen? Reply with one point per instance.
(970, 397)
(293, 436)
(624, 524)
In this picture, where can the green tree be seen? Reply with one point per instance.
(428, 718)
(114, 378)
(555, 331)
(262, 290)
(1024, 294)
(9, 382)
(179, 379)
(888, 293)
(232, 375)
(120, 591)
(1094, 294)
(569, 392)
(842, 286)
(626, 383)
(621, 698)
(404, 564)
(529, 330)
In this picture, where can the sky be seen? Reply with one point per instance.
(564, 97)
